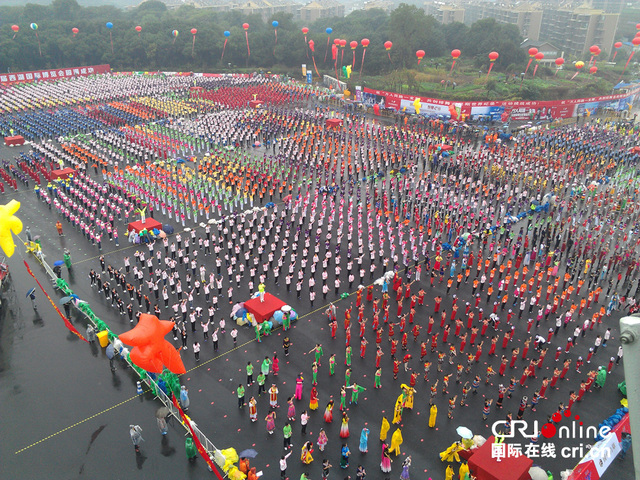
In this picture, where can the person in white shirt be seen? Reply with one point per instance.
(283, 465)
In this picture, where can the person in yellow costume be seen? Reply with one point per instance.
(407, 393)
(397, 411)
(396, 441)
(451, 453)
(384, 429)
(433, 413)
(449, 473)
(464, 471)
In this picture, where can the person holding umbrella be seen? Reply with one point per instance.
(135, 432)
(111, 355)
(31, 294)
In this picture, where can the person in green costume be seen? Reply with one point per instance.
(355, 391)
(192, 451)
(601, 377)
(332, 364)
(347, 360)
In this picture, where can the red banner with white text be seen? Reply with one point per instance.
(53, 74)
(514, 110)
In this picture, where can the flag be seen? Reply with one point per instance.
(201, 450)
(67, 323)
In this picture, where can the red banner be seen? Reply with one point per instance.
(66, 321)
(517, 110)
(53, 74)
(196, 441)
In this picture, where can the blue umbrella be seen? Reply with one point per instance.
(30, 292)
(248, 453)
(58, 263)
(65, 300)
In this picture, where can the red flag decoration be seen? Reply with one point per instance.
(532, 53)
(203, 453)
(365, 44)
(67, 323)
(246, 34)
(636, 43)
(312, 47)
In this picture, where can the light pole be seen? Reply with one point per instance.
(630, 339)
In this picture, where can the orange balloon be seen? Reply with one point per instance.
(150, 350)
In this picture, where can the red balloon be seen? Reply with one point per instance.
(593, 70)
(353, 44)
(75, 30)
(638, 26)
(365, 42)
(420, 54)
(150, 350)
(138, 29)
(539, 56)
(245, 26)
(388, 45)
(15, 28)
(533, 51)
(559, 61)
(636, 41)
(194, 31)
(455, 53)
(305, 30)
(593, 49)
(493, 56)
(343, 43)
(617, 44)
(336, 41)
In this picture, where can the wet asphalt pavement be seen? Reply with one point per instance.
(66, 415)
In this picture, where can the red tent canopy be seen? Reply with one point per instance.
(485, 467)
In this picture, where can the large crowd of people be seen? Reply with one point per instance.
(494, 268)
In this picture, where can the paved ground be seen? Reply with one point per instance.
(66, 415)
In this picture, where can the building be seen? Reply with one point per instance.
(575, 30)
(321, 9)
(527, 16)
(551, 52)
(445, 14)
(385, 5)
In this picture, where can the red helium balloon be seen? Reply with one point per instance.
(138, 29)
(533, 51)
(636, 41)
(593, 70)
(388, 45)
(365, 42)
(455, 53)
(539, 56)
(245, 26)
(343, 43)
(194, 31)
(559, 61)
(353, 44)
(617, 44)
(305, 30)
(593, 49)
(420, 53)
(15, 28)
(638, 26)
(493, 56)
(336, 41)
(75, 30)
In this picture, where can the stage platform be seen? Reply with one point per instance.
(263, 310)
(15, 140)
(63, 174)
(149, 224)
(485, 467)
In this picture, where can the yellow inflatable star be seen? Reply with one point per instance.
(9, 223)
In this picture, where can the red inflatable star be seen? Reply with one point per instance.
(150, 350)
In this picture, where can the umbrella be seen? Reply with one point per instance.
(464, 432)
(162, 412)
(537, 473)
(65, 300)
(58, 263)
(248, 453)
(31, 290)
(110, 352)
